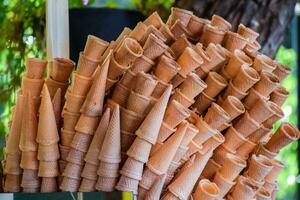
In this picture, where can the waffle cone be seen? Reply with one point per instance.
(89, 171)
(80, 84)
(223, 184)
(203, 102)
(69, 184)
(54, 85)
(220, 154)
(262, 110)
(12, 164)
(132, 169)
(140, 150)
(216, 116)
(67, 137)
(281, 70)
(179, 45)
(153, 30)
(165, 30)
(49, 185)
(138, 103)
(233, 106)
(87, 185)
(232, 167)
(215, 84)
(234, 41)
(233, 139)
(190, 133)
(81, 142)
(153, 47)
(145, 84)
(284, 135)
(178, 29)
(179, 14)
(95, 47)
(212, 34)
(148, 179)
(259, 167)
(108, 170)
(128, 51)
(262, 150)
(263, 63)
(130, 121)
(70, 120)
(29, 127)
(279, 95)
(35, 68)
(181, 98)
(189, 60)
(273, 174)
(206, 190)
(142, 63)
(93, 104)
(183, 185)
(127, 184)
(30, 179)
(195, 26)
(205, 132)
(192, 86)
(149, 128)
(73, 171)
(184, 153)
(220, 22)
(35, 86)
(156, 189)
(246, 125)
(267, 84)
(244, 188)
(248, 33)
(175, 114)
(213, 142)
(111, 147)
(169, 196)
(154, 19)
(48, 152)
(159, 89)
(47, 130)
(155, 147)
(48, 169)
(106, 184)
(210, 169)
(252, 98)
(126, 140)
(244, 150)
(87, 124)
(61, 69)
(259, 134)
(97, 141)
(159, 162)
(120, 94)
(128, 79)
(75, 156)
(28, 161)
(73, 102)
(12, 183)
(231, 90)
(138, 32)
(86, 65)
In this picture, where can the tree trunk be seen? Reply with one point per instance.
(270, 18)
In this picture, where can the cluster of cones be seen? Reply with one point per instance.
(175, 110)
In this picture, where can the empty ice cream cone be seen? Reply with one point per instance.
(164, 132)
(263, 194)
(262, 110)
(138, 32)
(246, 125)
(195, 26)
(28, 161)
(64, 151)
(220, 154)
(179, 45)
(110, 83)
(81, 141)
(281, 70)
(61, 69)
(152, 29)
(259, 134)
(232, 167)
(140, 150)
(95, 47)
(245, 149)
(153, 47)
(273, 174)
(178, 29)
(130, 121)
(86, 66)
(87, 185)
(210, 169)
(145, 84)
(215, 84)
(190, 133)
(66, 137)
(48, 152)
(203, 102)
(138, 103)
(189, 60)
(154, 19)
(243, 189)
(87, 124)
(179, 14)
(48, 169)
(206, 190)
(181, 98)
(223, 184)
(233, 139)
(220, 22)
(267, 84)
(120, 94)
(277, 115)
(89, 171)
(175, 113)
(213, 142)
(245, 78)
(262, 150)
(165, 30)
(49, 185)
(54, 85)
(80, 84)
(234, 41)
(252, 98)
(192, 86)
(247, 32)
(126, 140)
(128, 79)
(70, 120)
(263, 63)
(279, 95)
(212, 34)
(142, 63)
(216, 116)
(233, 106)
(132, 168)
(205, 132)
(166, 69)
(34, 86)
(35, 68)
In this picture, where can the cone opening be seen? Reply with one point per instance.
(242, 57)
(156, 32)
(270, 77)
(65, 62)
(236, 104)
(235, 89)
(282, 67)
(276, 109)
(250, 72)
(208, 97)
(179, 107)
(218, 79)
(193, 55)
(245, 182)
(209, 188)
(170, 63)
(290, 130)
(133, 47)
(267, 61)
(153, 39)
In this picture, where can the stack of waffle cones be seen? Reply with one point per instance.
(189, 112)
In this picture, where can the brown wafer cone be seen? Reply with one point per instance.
(108, 169)
(126, 140)
(195, 26)
(190, 133)
(212, 34)
(232, 167)
(142, 63)
(87, 124)
(203, 101)
(156, 189)
(192, 86)
(160, 160)
(106, 184)
(35, 68)
(93, 104)
(216, 116)
(273, 174)
(154, 19)
(64, 151)
(87, 185)
(130, 121)
(278, 114)
(175, 113)
(54, 85)
(12, 183)
(73, 171)
(263, 63)
(145, 84)
(73, 102)
(165, 30)
(47, 130)
(57, 107)
(177, 80)
(86, 65)
(35, 86)
(189, 60)
(138, 32)
(181, 98)
(206, 190)
(252, 98)
(281, 70)
(80, 84)
(262, 150)
(233, 139)
(140, 150)
(267, 84)
(245, 149)
(234, 41)
(220, 154)
(30, 179)
(223, 184)
(251, 49)
(215, 84)
(284, 135)
(164, 132)
(179, 14)
(247, 32)
(128, 51)
(179, 45)
(69, 184)
(124, 34)
(225, 53)
(149, 128)
(243, 189)
(245, 78)
(205, 132)
(259, 134)
(232, 90)
(127, 184)
(12, 164)
(152, 29)
(154, 47)
(128, 79)
(159, 89)
(262, 110)
(97, 141)
(89, 171)
(210, 169)
(233, 106)
(29, 127)
(279, 95)
(110, 83)
(246, 125)
(166, 69)
(111, 147)
(48, 152)
(70, 120)
(48, 169)
(183, 185)
(95, 47)
(120, 94)
(138, 103)
(81, 141)
(49, 185)
(28, 161)
(220, 22)
(213, 142)
(66, 137)
(178, 29)
(61, 69)
(132, 168)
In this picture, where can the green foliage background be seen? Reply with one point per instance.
(22, 25)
